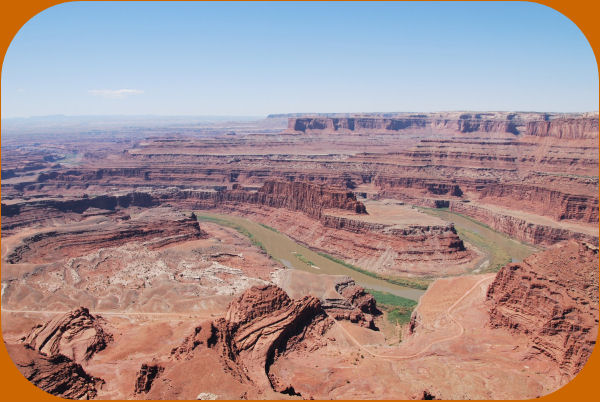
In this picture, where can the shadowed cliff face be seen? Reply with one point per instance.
(553, 298)
(57, 375)
(51, 354)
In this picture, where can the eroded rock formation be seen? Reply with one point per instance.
(155, 232)
(354, 305)
(309, 198)
(521, 228)
(553, 298)
(146, 377)
(261, 325)
(567, 128)
(536, 124)
(33, 211)
(57, 374)
(77, 335)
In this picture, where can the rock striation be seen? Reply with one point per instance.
(31, 212)
(78, 335)
(535, 124)
(354, 305)
(55, 244)
(520, 228)
(553, 298)
(57, 374)
(566, 128)
(309, 198)
(562, 205)
(260, 326)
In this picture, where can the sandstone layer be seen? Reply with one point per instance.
(47, 246)
(76, 335)
(190, 311)
(57, 375)
(267, 345)
(537, 163)
(261, 325)
(379, 245)
(553, 298)
(542, 125)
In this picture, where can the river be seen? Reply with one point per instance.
(497, 248)
(296, 256)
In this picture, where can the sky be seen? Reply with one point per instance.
(253, 59)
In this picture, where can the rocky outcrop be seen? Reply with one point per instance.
(259, 327)
(520, 228)
(467, 123)
(309, 198)
(146, 377)
(52, 245)
(357, 296)
(430, 186)
(58, 375)
(558, 204)
(31, 212)
(77, 335)
(552, 297)
(331, 124)
(305, 196)
(80, 205)
(354, 305)
(565, 128)
(537, 124)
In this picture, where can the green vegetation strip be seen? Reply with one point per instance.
(408, 282)
(499, 248)
(268, 227)
(420, 284)
(305, 260)
(498, 258)
(398, 309)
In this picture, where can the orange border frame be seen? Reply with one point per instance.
(15, 14)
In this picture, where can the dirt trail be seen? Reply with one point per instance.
(426, 348)
(114, 313)
(488, 277)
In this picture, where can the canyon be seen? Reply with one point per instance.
(304, 256)
(266, 344)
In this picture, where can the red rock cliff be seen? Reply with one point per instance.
(566, 128)
(536, 124)
(76, 335)
(309, 198)
(58, 375)
(261, 325)
(553, 297)
(302, 196)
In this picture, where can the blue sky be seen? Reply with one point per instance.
(259, 58)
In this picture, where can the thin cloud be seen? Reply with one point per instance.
(115, 93)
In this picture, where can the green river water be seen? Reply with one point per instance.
(498, 249)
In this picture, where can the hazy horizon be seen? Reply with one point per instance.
(91, 117)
